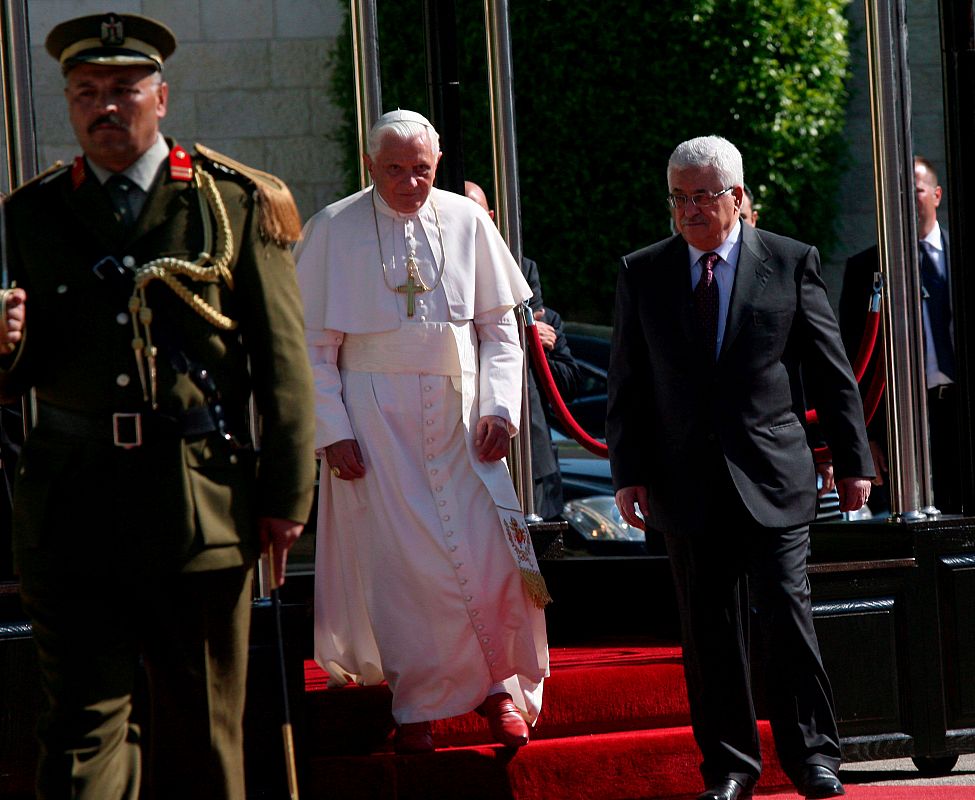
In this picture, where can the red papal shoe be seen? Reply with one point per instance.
(508, 727)
(413, 737)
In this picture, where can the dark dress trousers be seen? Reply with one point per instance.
(146, 552)
(721, 447)
(943, 408)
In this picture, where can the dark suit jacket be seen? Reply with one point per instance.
(857, 289)
(565, 373)
(673, 411)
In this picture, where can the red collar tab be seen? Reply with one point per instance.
(78, 172)
(180, 165)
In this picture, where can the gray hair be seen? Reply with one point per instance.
(402, 129)
(709, 151)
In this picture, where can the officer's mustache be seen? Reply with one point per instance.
(106, 119)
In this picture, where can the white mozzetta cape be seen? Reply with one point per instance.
(341, 240)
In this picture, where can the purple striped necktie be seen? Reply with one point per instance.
(706, 301)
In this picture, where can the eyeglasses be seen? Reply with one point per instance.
(700, 199)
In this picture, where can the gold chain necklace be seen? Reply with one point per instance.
(414, 284)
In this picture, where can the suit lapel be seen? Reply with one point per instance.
(944, 249)
(677, 295)
(750, 279)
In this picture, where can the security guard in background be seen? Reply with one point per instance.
(154, 293)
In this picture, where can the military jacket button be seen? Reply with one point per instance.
(121, 318)
(62, 288)
(123, 380)
(128, 261)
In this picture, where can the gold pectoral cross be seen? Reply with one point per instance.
(411, 288)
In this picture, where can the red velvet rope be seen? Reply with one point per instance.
(555, 399)
(874, 394)
(875, 391)
(867, 344)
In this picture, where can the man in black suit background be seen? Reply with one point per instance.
(748, 210)
(939, 349)
(566, 374)
(721, 332)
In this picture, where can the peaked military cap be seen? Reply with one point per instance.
(111, 39)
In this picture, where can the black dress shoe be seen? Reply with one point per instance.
(728, 789)
(817, 782)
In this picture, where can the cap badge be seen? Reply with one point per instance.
(113, 32)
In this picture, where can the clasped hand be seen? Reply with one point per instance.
(277, 538)
(13, 317)
(344, 459)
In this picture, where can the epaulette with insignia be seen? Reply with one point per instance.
(56, 169)
(280, 220)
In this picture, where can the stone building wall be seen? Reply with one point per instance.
(248, 78)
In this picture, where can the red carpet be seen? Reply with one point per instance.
(612, 766)
(591, 690)
(614, 726)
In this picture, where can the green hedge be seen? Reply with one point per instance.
(604, 91)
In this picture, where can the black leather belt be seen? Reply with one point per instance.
(124, 428)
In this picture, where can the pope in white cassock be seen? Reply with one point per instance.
(425, 575)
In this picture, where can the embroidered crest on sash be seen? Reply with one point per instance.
(520, 545)
(518, 539)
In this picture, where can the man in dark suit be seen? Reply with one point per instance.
(721, 332)
(160, 293)
(939, 349)
(748, 210)
(546, 476)
(566, 375)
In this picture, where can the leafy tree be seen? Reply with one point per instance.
(604, 91)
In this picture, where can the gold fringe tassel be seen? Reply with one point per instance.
(537, 590)
(279, 219)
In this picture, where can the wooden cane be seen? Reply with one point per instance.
(286, 730)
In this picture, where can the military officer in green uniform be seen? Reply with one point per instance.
(154, 294)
